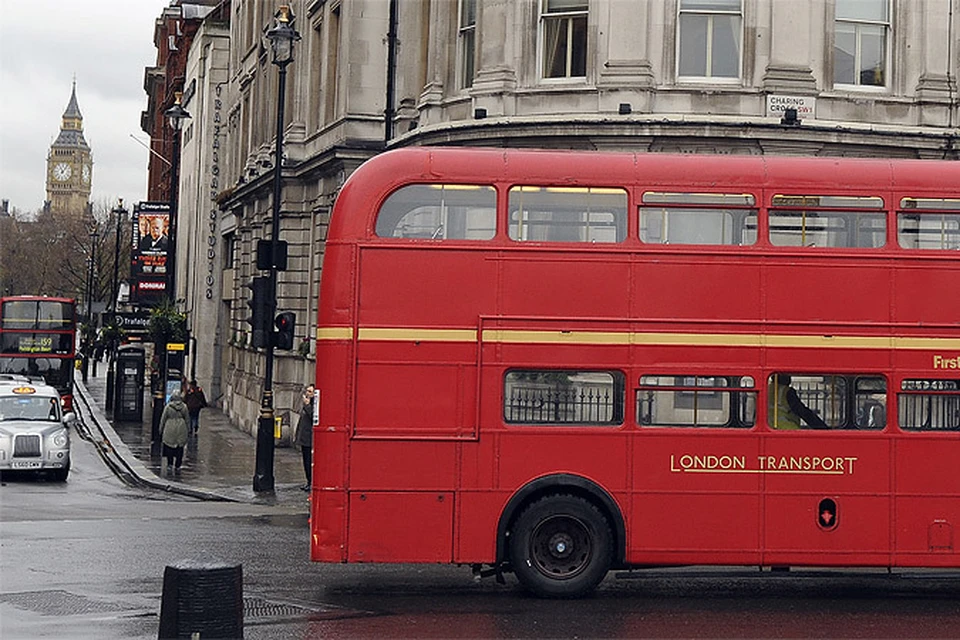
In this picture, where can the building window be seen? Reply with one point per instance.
(711, 32)
(467, 43)
(860, 42)
(563, 29)
(229, 250)
(332, 85)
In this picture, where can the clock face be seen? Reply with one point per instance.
(61, 171)
(86, 174)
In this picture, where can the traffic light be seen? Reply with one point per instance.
(260, 308)
(285, 323)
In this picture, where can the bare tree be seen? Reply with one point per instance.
(49, 253)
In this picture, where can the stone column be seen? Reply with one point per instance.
(791, 47)
(496, 78)
(932, 31)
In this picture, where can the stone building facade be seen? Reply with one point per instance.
(860, 77)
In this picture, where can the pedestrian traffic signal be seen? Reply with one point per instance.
(260, 307)
(285, 323)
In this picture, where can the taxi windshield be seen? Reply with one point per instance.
(29, 408)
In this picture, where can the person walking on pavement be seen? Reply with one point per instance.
(304, 436)
(173, 432)
(195, 401)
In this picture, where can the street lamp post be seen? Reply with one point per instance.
(114, 293)
(175, 115)
(281, 37)
(91, 286)
(94, 237)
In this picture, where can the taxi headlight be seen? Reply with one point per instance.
(61, 439)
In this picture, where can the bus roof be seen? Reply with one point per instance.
(477, 165)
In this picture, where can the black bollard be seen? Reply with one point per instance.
(202, 601)
(156, 415)
(111, 381)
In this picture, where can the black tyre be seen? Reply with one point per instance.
(60, 475)
(561, 547)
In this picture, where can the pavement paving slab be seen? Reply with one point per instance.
(220, 459)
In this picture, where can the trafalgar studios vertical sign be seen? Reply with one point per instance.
(151, 240)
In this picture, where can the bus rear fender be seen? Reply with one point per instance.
(563, 483)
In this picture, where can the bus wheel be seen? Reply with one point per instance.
(561, 547)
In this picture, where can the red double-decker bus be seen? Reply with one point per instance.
(562, 363)
(38, 337)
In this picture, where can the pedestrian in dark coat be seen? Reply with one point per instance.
(304, 436)
(195, 401)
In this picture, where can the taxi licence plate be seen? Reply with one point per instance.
(26, 464)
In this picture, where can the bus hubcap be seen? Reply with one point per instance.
(561, 547)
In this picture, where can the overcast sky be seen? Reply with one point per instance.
(44, 44)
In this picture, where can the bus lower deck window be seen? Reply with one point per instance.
(696, 401)
(562, 397)
(826, 401)
(929, 405)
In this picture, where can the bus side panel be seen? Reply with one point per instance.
(591, 285)
(411, 287)
(928, 500)
(414, 524)
(804, 469)
(328, 524)
(598, 454)
(421, 389)
(478, 513)
(401, 526)
(922, 296)
(831, 292)
(696, 497)
(381, 465)
(668, 288)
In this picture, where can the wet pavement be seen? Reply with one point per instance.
(219, 461)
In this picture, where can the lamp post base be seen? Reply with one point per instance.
(111, 380)
(155, 417)
(263, 477)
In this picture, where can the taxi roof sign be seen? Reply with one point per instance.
(24, 390)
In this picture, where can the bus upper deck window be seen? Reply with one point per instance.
(439, 212)
(828, 221)
(929, 223)
(568, 214)
(698, 218)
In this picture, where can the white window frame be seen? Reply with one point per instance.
(466, 37)
(857, 23)
(708, 78)
(561, 16)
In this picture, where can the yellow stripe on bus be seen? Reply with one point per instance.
(417, 335)
(626, 338)
(334, 333)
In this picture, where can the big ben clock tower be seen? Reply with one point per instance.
(69, 164)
